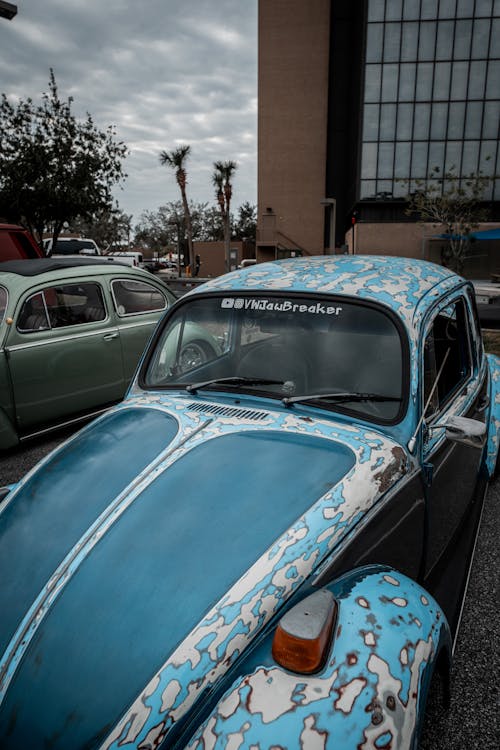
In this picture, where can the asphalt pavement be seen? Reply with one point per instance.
(472, 722)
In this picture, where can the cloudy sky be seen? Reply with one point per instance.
(163, 72)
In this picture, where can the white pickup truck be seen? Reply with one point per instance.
(71, 246)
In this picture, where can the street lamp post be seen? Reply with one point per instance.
(7, 10)
(332, 204)
(176, 223)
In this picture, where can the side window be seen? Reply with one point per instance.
(62, 306)
(33, 315)
(476, 327)
(137, 297)
(446, 355)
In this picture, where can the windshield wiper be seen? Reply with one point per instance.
(338, 397)
(235, 380)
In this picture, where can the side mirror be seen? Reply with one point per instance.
(464, 430)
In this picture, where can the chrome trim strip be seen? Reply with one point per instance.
(139, 324)
(87, 334)
(62, 425)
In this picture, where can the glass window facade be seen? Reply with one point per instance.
(431, 95)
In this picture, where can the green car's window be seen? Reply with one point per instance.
(132, 297)
(3, 302)
(330, 352)
(62, 306)
(33, 315)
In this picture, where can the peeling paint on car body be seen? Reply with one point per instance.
(494, 425)
(364, 703)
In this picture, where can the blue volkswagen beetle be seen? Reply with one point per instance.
(266, 546)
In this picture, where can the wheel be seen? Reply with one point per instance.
(193, 355)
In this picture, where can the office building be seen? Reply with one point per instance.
(357, 100)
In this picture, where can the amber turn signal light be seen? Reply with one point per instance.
(304, 633)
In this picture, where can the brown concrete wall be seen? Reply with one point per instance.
(292, 119)
(403, 239)
(212, 255)
(418, 241)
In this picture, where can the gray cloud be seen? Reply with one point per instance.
(163, 72)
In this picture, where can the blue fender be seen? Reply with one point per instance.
(494, 423)
(389, 636)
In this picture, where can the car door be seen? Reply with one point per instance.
(138, 305)
(64, 353)
(450, 358)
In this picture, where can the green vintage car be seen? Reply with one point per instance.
(71, 334)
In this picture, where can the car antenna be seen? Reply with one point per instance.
(412, 441)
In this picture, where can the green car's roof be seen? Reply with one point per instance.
(37, 266)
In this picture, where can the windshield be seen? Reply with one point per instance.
(292, 348)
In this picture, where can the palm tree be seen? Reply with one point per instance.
(221, 178)
(176, 160)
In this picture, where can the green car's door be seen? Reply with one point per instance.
(64, 354)
(139, 305)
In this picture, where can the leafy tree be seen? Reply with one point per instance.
(209, 227)
(453, 203)
(176, 160)
(110, 228)
(245, 227)
(221, 178)
(54, 168)
(158, 229)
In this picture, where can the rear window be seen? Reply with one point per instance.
(74, 247)
(137, 297)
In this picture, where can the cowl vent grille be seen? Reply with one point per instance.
(229, 411)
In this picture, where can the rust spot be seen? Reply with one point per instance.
(393, 470)
(352, 659)
(391, 702)
(159, 735)
(362, 602)
(377, 717)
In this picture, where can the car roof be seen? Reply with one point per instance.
(38, 266)
(8, 227)
(401, 284)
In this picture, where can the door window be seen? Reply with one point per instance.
(446, 356)
(62, 306)
(133, 297)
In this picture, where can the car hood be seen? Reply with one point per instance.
(142, 557)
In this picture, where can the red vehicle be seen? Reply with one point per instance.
(17, 243)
